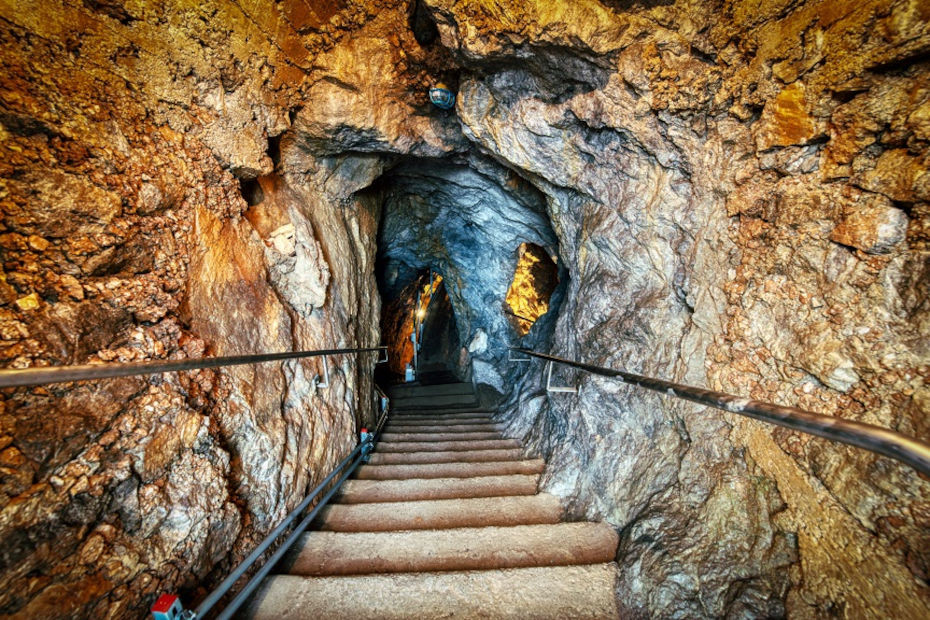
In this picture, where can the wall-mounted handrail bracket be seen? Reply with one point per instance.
(324, 384)
(382, 360)
(565, 389)
(511, 358)
(383, 404)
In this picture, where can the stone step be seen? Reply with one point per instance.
(450, 401)
(440, 514)
(442, 428)
(429, 417)
(442, 389)
(449, 470)
(404, 422)
(445, 446)
(461, 435)
(368, 491)
(470, 456)
(438, 414)
(541, 593)
(483, 548)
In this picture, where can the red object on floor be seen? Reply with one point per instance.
(167, 607)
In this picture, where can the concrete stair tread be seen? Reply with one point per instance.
(468, 456)
(446, 446)
(439, 401)
(449, 470)
(441, 513)
(542, 593)
(399, 391)
(438, 414)
(434, 418)
(442, 428)
(368, 491)
(440, 436)
(444, 521)
(481, 548)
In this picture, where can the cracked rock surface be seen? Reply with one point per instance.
(737, 195)
(125, 132)
(709, 174)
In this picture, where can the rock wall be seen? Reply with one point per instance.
(128, 133)
(738, 192)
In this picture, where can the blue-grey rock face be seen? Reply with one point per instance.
(466, 221)
(639, 298)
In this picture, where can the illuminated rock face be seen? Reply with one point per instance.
(737, 192)
(534, 281)
(401, 314)
(125, 237)
(709, 175)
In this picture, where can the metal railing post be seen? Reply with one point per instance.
(511, 358)
(322, 385)
(565, 389)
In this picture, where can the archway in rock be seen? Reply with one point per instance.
(737, 211)
(467, 218)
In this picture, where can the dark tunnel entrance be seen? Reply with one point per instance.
(419, 328)
(486, 230)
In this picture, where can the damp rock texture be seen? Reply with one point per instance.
(736, 194)
(467, 221)
(739, 194)
(149, 212)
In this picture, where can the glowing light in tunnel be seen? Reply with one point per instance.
(426, 294)
(413, 314)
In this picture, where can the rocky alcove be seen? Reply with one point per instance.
(731, 195)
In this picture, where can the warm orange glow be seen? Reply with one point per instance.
(534, 279)
(402, 353)
(426, 295)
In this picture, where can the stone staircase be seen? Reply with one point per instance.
(444, 522)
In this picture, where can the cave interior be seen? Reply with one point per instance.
(730, 195)
(482, 234)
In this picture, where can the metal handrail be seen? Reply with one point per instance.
(256, 579)
(876, 439)
(61, 374)
(214, 597)
(357, 456)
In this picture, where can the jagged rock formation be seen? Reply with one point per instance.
(737, 193)
(126, 237)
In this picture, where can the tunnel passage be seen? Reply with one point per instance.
(439, 338)
(422, 306)
(472, 221)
